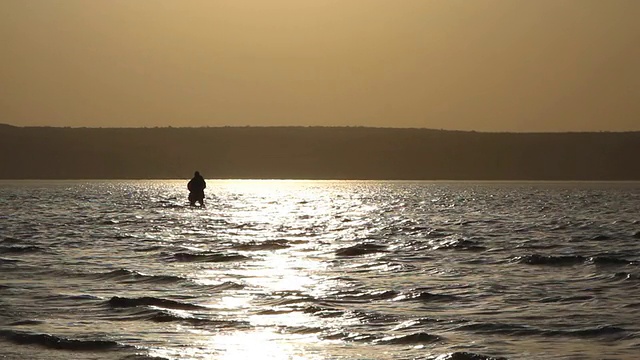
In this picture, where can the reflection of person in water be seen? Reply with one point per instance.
(196, 188)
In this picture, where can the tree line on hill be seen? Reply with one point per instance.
(314, 153)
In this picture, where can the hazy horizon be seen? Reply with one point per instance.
(488, 66)
(134, 127)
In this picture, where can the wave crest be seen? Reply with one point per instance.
(463, 355)
(360, 249)
(123, 302)
(56, 342)
(207, 257)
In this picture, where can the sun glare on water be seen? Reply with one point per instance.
(270, 278)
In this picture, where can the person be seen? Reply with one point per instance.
(196, 188)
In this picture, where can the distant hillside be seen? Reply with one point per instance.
(314, 153)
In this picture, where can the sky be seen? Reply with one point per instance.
(483, 65)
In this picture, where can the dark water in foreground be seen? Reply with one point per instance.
(319, 270)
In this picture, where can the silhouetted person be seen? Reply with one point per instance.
(196, 188)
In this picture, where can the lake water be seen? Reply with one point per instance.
(319, 270)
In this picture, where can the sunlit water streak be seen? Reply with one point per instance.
(319, 270)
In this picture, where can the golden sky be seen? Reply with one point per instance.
(486, 65)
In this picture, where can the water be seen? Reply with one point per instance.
(319, 270)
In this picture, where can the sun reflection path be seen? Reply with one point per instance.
(280, 275)
(277, 282)
(262, 344)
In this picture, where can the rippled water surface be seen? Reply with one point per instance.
(319, 270)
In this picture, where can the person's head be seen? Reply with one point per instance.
(197, 173)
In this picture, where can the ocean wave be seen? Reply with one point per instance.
(123, 236)
(402, 267)
(227, 285)
(57, 342)
(164, 316)
(591, 332)
(351, 337)
(552, 260)
(172, 206)
(275, 311)
(361, 249)
(125, 275)
(149, 248)
(265, 245)
(610, 260)
(355, 296)
(72, 297)
(413, 229)
(564, 299)
(123, 302)
(459, 244)
(333, 335)
(535, 245)
(5, 261)
(303, 330)
(437, 233)
(463, 355)
(20, 249)
(207, 257)
(372, 317)
(143, 357)
(632, 305)
(626, 276)
(569, 260)
(323, 312)
(416, 338)
(196, 321)
(425, 296)
(429, 321)
(26, 322)
(284, 300)
(524, 330)
(10, 240)
(109, 222)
